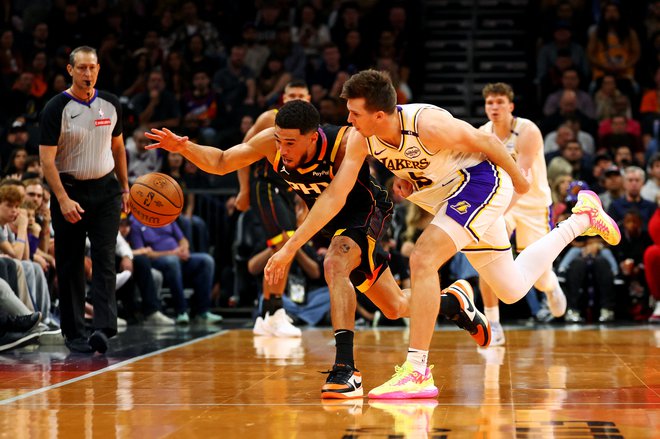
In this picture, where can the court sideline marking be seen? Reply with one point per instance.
(108, 369)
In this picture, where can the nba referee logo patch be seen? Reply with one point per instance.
(461, 207)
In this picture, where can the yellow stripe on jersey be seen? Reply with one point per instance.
(335, 148)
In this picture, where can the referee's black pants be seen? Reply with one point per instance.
(101, 201)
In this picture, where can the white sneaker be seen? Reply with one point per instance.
(557, 302)
(158, 319)
(497, 334)
(121, 323)
(208, 317)
(280, 325)
(260, 326)
(182, 319)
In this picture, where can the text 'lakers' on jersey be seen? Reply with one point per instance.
(310, 179)
(434, 176)
(539, 191)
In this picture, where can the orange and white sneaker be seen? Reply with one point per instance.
(344, 382)
(602, 224)
(406, 383)
(469, 318)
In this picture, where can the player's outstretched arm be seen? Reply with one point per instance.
(211, 159)
(328, 204)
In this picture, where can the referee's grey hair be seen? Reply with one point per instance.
(85, 49)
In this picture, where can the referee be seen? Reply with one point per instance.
(84, 162)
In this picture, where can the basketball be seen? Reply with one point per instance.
(156, 199)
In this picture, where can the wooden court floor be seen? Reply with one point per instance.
(549, 383)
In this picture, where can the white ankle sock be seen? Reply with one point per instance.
(492, 313)
(418, 360)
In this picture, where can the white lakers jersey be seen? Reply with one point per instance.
(539, 191)
(434, 176)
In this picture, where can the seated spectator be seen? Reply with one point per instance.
(14, 244)
(548, 71)
(589, 264)
(612, 185)
(568, 130)
(650, 104)
(169, 252)
(601, 163)
(652, 265)
(568, 109)
(17, 136)
(141, 161)
(256, 53)
(330, 75)
(623, 156)
(291, 53)
(16, 164)
(307, 297)
(270, 84)
(33, 168)
(629, 255)
(200, 109)
(156, 107)
(614, 49)
(633, 180)
(570, 80)
(236, 82)
(580, 162)
(559, 191)
(605, 98)
(618, 135)
(651, 188)
(147, 280)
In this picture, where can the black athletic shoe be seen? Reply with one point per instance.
(11, 340)
(23, 323)
(469, 318)
(99, 341)
(80, 345)
(343, 382)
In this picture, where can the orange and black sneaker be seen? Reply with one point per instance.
(469, 317)
(344, 382)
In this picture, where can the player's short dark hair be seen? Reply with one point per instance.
(298, 115)
(84, 49)
(375, 87)
(498, 89)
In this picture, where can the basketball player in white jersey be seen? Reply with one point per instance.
(466, 178)
(528, 215)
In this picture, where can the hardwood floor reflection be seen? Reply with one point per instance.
(544, 383)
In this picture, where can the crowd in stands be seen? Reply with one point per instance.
(207, 69)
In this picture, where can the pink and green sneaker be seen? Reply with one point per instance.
(602, 224)
(406, 383)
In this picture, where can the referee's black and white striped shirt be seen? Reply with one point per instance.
(82, 132)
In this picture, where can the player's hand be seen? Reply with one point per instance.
(277, 264)
(242, 201)
(167, 140)
(402, 188)
(523, 184)
(71, 210)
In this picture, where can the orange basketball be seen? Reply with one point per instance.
(156, 199)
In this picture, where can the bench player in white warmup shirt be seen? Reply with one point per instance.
(529, 215)
(466, 178)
